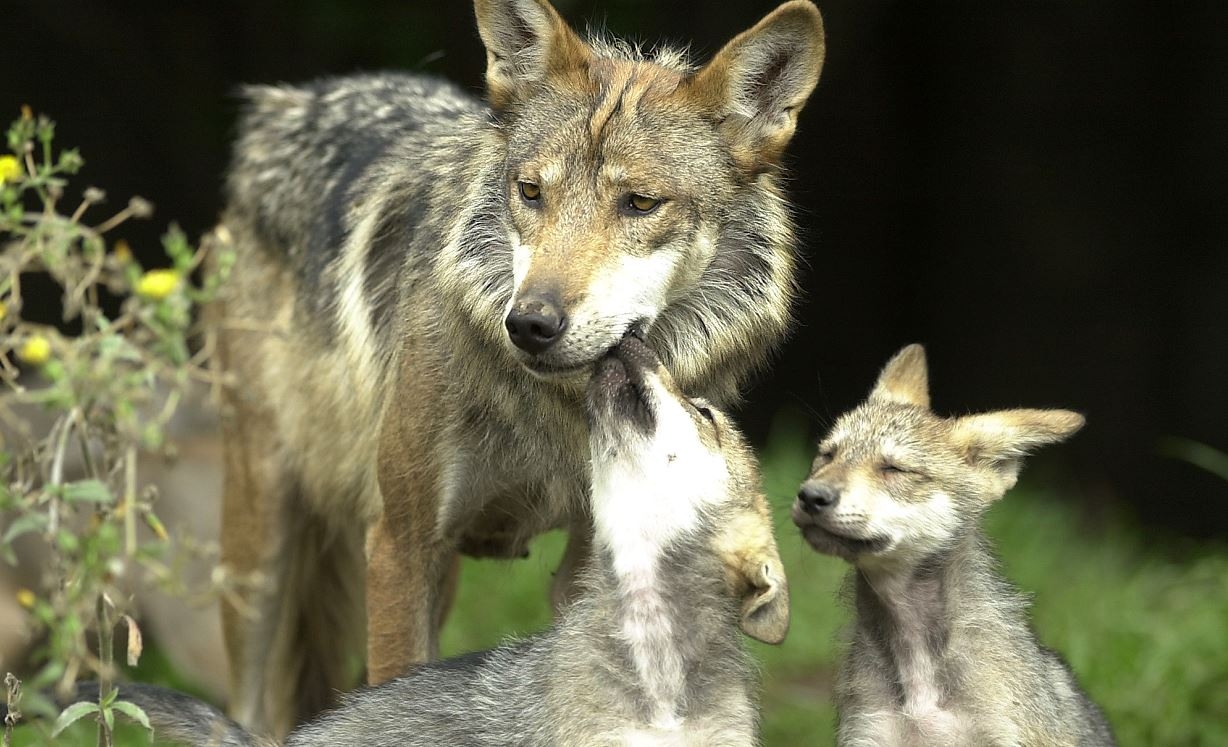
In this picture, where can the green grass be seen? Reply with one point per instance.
(1146, 632)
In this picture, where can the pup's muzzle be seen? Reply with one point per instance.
(621, 392)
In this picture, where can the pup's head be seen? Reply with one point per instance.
(667, 468)
(893, 482)
(624, 169)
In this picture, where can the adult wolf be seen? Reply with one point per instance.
(423, 284)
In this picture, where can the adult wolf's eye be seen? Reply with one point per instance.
(530, 192)
(707, 414)
(640, 204)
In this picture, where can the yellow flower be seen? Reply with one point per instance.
(10, 169)
(26, 598)
(35, 351)
(122, 252)
(157, 284)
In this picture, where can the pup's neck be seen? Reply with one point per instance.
(662, 599)
(907, 613)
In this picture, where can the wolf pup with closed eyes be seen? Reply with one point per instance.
(942, 651)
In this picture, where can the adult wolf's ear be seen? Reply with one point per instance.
(999, 440)
(526, 41)
(905, 379)
(759, 81)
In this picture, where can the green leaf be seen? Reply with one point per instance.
(88, 491)
(35, 704)
(151, 437)
(45, 677)
(132, 711)
(71, 715)
(24, 525)
(68, 541)
(54, 370)
(110, 697)
(109, 716)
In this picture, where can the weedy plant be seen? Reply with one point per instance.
(109, 377)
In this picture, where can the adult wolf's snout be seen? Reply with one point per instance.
(535, 324)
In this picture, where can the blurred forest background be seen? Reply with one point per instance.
(1033, 189)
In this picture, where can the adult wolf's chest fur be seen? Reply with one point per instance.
(516, 461)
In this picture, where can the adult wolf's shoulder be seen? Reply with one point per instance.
(306, 154)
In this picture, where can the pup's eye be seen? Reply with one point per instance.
(634, 204)
(530, 192)
(893, 469)
(827, 454)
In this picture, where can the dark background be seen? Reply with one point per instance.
(1032, 189)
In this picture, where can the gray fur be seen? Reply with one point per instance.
(571, 686)
(584, 682)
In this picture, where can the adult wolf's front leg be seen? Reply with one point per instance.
(289, 642)
(411, 565)
(409, 583)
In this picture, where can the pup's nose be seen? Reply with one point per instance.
(816, 496)
(535, 325)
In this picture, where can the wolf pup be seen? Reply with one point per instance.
(648, 653)
(942, 651)
(423, 284)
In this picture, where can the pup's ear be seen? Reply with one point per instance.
(526, 40)
(999, 440)
(765, 605)
(758, 82)
(755, 574)
(905, 379)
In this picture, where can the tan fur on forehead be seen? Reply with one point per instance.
(670, 58)
(624, 85)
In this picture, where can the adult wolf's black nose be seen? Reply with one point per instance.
(816, 496)
(534, 326)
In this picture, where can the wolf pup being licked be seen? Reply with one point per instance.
(649, 653)
(942, 651)
(424, 283)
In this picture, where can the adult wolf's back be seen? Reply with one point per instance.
(423, 284)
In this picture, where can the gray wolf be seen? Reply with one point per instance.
(942, 650)
(425, 281)
(649, 653)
